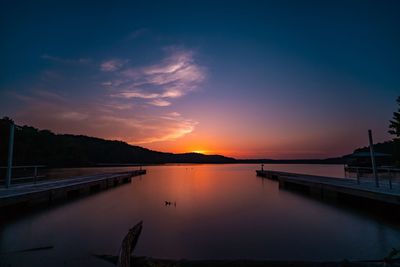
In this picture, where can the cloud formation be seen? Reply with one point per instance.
(159, 103)
(105, 119)
(173, 77)
(136, 106)
(112, 65)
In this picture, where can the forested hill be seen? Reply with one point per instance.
(42, 147)
(33, 146)
(387, 147)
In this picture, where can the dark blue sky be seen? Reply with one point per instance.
(243, 78)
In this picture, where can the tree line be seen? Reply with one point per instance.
(43, 147)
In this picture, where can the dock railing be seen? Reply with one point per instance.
(388, 176)
(22, 174)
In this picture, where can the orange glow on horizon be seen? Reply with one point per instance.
(263, 144)
(201, 151)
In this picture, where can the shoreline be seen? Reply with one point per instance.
(155, 262)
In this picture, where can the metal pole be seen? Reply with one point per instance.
(10, 155)
(358, 176)
(371, 150)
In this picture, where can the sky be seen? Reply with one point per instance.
(248, 79)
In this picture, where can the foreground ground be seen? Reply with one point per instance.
(151, 262)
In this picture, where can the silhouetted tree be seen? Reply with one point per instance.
(5, 123)
(43, 147)
(395, 122)
(394, 129)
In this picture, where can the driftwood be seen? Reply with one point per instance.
(128, 245)
(125, 255)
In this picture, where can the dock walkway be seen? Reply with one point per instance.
(333, 188)
(28, 195)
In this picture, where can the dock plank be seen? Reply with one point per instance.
(321, 184)
(47, 191)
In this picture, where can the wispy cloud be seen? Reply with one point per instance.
(106, 119)
(174, 114)
(112, 65)
(72, 115)
(66, 60)
(137, 94)
(173, 77)
(126, 110)
(159, 103)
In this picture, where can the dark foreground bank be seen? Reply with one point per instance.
(151, 262)
(125, 258)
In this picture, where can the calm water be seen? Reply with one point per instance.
(222, 212)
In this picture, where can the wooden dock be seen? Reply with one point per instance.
(47, 192)
(330, 188)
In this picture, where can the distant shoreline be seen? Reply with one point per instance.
(42, 147)
(255, 162)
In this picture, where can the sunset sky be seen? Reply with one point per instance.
(248, 79)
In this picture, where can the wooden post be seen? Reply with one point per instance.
(371, 150)
(35, 175)
(10, 155)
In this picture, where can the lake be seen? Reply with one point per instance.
(222, 212)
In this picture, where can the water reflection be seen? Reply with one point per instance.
(221, 212)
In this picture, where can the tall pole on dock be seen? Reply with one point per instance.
(371, 150)
(10, 155)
